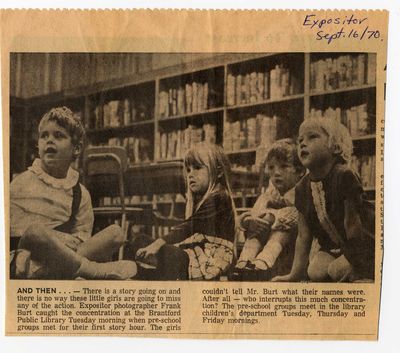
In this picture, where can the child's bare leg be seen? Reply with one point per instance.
(318, 268)
(250, 250)
(341, 270)
(267, 257)
(101, 246)
(46, 247)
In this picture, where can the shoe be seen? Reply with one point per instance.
(237, 272)
(116, 270)
(235, 275)
(249, 273)
(119, 270)
(265, 275)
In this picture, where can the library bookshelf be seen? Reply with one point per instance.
(243, 102)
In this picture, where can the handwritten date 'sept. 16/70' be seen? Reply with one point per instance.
(350, 27)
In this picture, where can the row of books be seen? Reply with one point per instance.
(142, 199)
(257, 87)
(343, 71)
(258, 131)
(173, 144)
(139, 149)
(355, 118)
(193, 98)
(365, 167)
(169, 198)
(129, 200)
(119, 113)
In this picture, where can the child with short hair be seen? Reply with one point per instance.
(271, 225)
(52, 214)
(203, 243)
(332, 243)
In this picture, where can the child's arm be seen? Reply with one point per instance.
(203, 221)
(258, 221)
(205, 216)
(206, 220)
(151, 249)
(302, 251)
(258, 225)
(69, 240)
(84, 218)
(352, 219)
(354, 248)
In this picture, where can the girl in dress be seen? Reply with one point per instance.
(333, 242)
(271, 226)
(204, 241)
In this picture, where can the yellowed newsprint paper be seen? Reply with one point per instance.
(194, 174)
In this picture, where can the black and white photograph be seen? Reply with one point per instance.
(249, 167)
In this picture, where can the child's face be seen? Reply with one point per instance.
(313, 147)
(283, 175)
(198, 178)
(56, 149)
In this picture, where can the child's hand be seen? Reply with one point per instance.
(286, 278)
(143, 253)
(276, 204)
(257, 225)
(149, 250)
(70, 241)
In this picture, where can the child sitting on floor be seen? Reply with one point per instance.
(201, 248)
(333, 242)
(51, 212)
(271, 225)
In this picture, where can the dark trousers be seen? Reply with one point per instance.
(173, 262)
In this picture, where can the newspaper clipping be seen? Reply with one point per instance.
(202, 174)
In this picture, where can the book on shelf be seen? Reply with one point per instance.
(138, 149)
(342, 72)
(174, 144)
(129, 200)
(355, 118)
(258, 86)
(365, 167)
(170, 198)
(192, 98)
(253, 132)
(117, 113)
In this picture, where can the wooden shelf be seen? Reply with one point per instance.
(191, 115)
(266, 102)
(166, 176)
(117, 129)
(140, 204)
(170, 202)
(341, 90)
